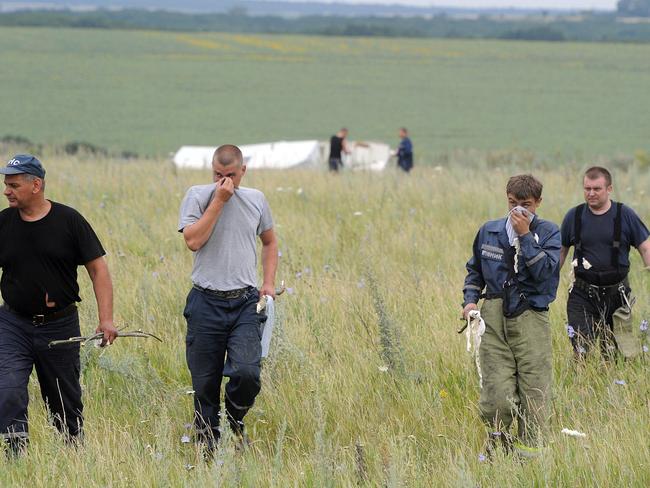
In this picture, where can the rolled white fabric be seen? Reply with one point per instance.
(267, 333)
(475, 329)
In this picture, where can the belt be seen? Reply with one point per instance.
(600, 289)
(42, 319)
(228, 294)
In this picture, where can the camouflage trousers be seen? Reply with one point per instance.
(516, 360)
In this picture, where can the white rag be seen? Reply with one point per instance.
(513, 238)
(475, 329)
(267, 333)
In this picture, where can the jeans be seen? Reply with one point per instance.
(223, 339)
(23, 346)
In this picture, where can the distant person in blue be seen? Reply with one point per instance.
(601, 232)
(338, 146)
(405, 151)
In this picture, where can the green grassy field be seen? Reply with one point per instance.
(151, 92)
(330, 412)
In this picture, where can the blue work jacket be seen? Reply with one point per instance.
(538, 273)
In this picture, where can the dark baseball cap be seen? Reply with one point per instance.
(24, 163)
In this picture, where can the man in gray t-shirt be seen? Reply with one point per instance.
(220, 223)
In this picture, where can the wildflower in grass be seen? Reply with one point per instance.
(620, 382)
(644, 348)
(570, 331)
(185, 439)
(644, 325)
(383, 369)
(361, 283)
(279, 253)
(290, 291)
(298, 274)
(357, 214)
(573, 433)
(482, 458)
(581, 350)
(443, 394)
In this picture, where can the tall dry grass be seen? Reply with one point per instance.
(368, 383)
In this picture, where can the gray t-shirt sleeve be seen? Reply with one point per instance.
(266, 219)
(190, 211)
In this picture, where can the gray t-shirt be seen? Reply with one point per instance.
(228, 259)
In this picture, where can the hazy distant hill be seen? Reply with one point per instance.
(258, 7)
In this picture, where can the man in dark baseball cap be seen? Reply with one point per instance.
(42, 243)
(24, 163)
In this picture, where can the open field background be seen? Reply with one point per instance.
(368, 383)
(151, 92)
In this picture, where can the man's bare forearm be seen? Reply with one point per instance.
(197, 234)
(103, 288)
(270, 262)
(564, 251)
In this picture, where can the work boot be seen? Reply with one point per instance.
(496, 440)
(208, 443)
(239, 431)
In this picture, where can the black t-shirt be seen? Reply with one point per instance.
(39, 259)
(336, 146)
(598, 235)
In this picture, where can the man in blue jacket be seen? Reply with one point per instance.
(515, 269)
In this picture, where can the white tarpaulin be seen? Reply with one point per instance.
(272, 155)
(372, 156)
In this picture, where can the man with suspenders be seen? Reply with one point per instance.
(601, 232)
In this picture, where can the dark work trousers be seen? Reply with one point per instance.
(223, 339)
(335, 164)
(23, 346)
(590, 316)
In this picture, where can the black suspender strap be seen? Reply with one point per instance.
(616, 244)
(577, 232)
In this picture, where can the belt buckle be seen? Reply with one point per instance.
(38, 320)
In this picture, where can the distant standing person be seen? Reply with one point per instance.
(220, 222)
(601, 232)
(405, 151)
(515, 268)
(338, 146)
(41, 244)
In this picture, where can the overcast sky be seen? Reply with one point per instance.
(564, 4)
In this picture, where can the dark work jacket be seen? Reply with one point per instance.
(539, 265)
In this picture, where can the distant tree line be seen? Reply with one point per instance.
(593, 27)
(634, 8)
